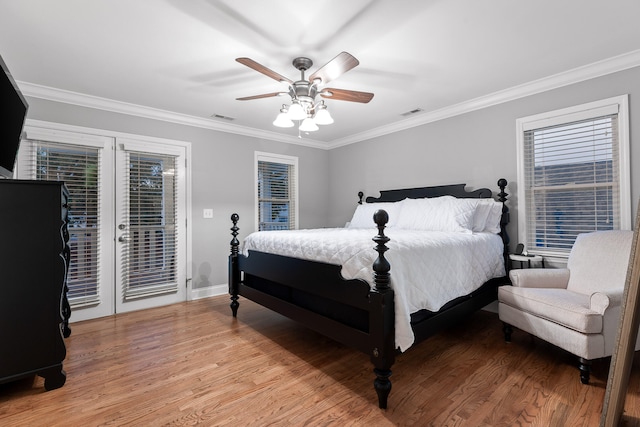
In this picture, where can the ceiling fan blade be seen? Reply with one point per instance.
(262, 69)
(265, 95)
(339, 65)
(346, 95)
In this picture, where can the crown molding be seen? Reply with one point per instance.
(90, 101)
(576, 75)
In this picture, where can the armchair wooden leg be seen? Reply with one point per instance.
(507, 330)
(585, 370)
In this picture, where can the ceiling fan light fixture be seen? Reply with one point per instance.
(322, 116)
(308, 125)
(296, 112)
(282, 119)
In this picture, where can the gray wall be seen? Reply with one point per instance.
(222, 178)
(476, 148)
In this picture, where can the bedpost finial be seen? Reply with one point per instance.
(502, 195)
(235, 218)
(360, 196)
(502, 183)
(381, 217)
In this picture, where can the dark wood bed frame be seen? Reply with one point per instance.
(351, 311)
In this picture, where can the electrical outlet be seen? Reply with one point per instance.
(207, 213)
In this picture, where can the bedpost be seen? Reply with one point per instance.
(381, 266)
(360, 196)
(504, 220)
(234, 269)
(382, 315)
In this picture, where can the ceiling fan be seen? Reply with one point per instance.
(303, 92)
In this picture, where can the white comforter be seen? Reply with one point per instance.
(428, 268)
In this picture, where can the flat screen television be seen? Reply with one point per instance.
(14, 110)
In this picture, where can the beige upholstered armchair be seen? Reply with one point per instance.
(577, 308)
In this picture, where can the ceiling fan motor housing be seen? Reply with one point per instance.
(304, 91)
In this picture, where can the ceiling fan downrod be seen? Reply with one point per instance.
(304, 91)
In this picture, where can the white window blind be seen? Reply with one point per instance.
(277, 193)
(152, 238)
(574, 175)
(572, 181)
(79, 167)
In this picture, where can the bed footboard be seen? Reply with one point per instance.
(315, 294)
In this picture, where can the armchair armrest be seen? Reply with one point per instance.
(600, 301)
(540, 278)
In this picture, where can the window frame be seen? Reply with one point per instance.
(569, 115)
(260, 156)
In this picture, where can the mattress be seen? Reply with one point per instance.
(428, 268)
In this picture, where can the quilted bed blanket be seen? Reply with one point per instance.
(428, 268)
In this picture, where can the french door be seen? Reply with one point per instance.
(150, 213)
(127, 217)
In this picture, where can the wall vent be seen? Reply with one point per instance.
(414, 111)
(220, 116)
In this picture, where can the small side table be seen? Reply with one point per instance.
(522, 259)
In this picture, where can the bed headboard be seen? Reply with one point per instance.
(456, 190)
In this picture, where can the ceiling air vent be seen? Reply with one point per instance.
(414, 111)
(220, 116)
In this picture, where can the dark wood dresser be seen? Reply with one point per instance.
(34, 260)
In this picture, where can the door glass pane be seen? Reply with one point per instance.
(79, 168)
(151, 246)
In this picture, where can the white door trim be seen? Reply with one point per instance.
(86, 135)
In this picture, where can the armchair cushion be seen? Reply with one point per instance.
(540, 278)
(599, 261)
(570, 309)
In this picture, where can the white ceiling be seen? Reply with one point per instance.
(176, 58)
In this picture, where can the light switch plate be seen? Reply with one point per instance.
(207, 213)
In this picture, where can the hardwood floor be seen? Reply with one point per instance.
(192, 363)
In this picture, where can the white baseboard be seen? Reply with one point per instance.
(209, 291)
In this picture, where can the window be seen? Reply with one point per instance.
(573, 170)
(276, 192)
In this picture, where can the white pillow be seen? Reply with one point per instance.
(484, 209)
(481, 214)
(493, 219)
(363, 215)
(445, 213)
